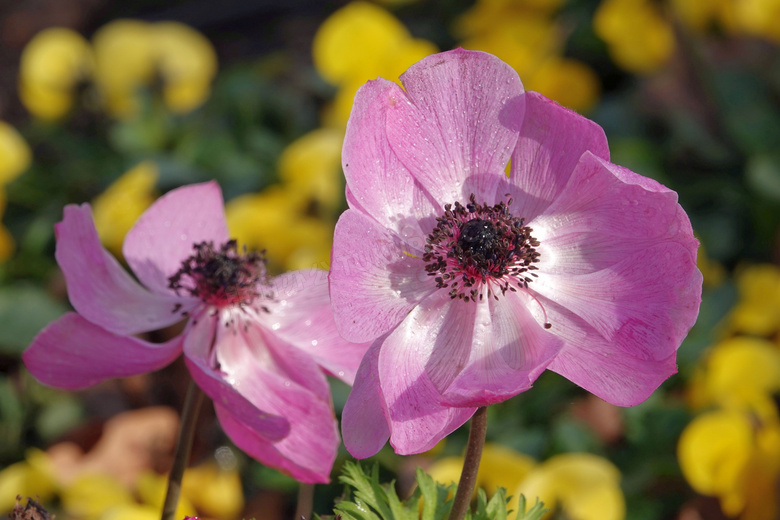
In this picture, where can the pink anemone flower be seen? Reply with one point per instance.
(472, 277)
(258, 346)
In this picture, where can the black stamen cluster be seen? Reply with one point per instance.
(477, 242)
(220, 276)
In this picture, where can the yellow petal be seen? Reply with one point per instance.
(311, 165)
(639, 39)
(569, 82)
(446, 470)
(116, 209)
(151, 488)
(351, 40)
(89, 496)
(132, 512)
(739, 368)
(50, 66)
(585, 486)
(33, 477)
(124, 57)
(15, 155)
(215, 492)
(714, 451)
(187, 63)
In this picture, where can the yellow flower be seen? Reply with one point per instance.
(15, 158)
(727, 454)
(739, 372)
(311, 167)
(32, 477)
(485, 15)
(585, 486)
(90, 496)
(129, 53)
(272, 220)
(151, 488)
(639, 38)
(569, 82)
(116, 209)
(754, 17)
(215, 492)
(360, 42)
(500, 467)
(15, 155)
(758, 310)
(52, 63)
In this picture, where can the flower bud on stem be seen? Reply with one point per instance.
(468, 476)
(189, 417)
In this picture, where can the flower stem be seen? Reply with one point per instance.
(305, 502)
(189, 417)
(468, 476)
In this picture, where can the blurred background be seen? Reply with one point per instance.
(115, 103)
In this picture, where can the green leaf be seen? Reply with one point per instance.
(24, 311)
(535, 513)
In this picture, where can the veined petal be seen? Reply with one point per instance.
(301, 315)
(74, 353)
(277, 379)
(100, 289)
(509, 350)
(165, 234)
(306, 454)
(375, 278)
(200, 358)
(411, 379)
(552, 140)
(461, 117)
(364, 424)
(382, 186)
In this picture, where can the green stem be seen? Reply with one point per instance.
(468, 476)
(305, 502)
(189, 417)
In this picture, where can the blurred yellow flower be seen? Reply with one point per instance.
(361, 42)
(215, 492)
(569, 82)
(116, 209)
(584, 486)
(638, 37)
(15, 155)
(311, 167)
(32, 477)
(757, 311)
(727, 454)
(500, 467)
(130, 53)
(740, 371)
(272, 220)
(15, 158)
(51, 66)
(526, 35)
(90, 496)
(151, 488)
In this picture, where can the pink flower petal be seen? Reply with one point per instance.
(552, 139)
(301, 314)
(364, 419)
(74, 353)
(165, 234)
(200, 360)
(376, 179)
(509, 349)
(461, 117)
(374, 279)
(411, 382)
(100, 289)
(259, 371)
(307, 454)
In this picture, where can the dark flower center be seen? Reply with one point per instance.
(476, 246)
(221, 277)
